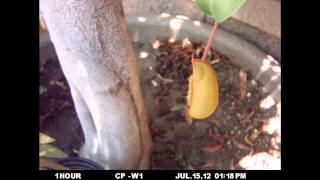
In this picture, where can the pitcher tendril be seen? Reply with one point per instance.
(209, 43)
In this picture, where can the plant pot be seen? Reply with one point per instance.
(146, 28)
(265, 68)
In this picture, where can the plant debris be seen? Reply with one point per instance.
(165, 80)
(243, 84)
(212, 148)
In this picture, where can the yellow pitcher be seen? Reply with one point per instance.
(203, 92)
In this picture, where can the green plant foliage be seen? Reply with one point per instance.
(42, 89)
(220, 10)
(48, 150)
(47, 163)
(45, 139)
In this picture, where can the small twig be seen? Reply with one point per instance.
(164, 80)
(247, 140)
(211, 37)
(247, 118)
(239, 145)
(243, 84)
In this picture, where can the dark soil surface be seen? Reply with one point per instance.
(58, 118)
(234, 132)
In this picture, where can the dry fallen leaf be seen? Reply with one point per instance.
(178, 107)
(247, 140)
(248, 128)
(218, 137)
(64, 105)
(43, 117)
(214, 61)
(217, 122)
(247, 118)
(255, 134)
(211, 148)
(61, 84)
(209, 163)
(239, 145)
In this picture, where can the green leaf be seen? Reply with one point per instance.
(47, 163)
(220, 10)
(49, 150)
(45, 139)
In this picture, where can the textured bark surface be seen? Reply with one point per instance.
(97, 58)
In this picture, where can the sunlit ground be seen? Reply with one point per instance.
(267, 160)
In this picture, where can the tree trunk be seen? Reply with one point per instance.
(97, 58)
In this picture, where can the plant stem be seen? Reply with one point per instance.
(211, 37)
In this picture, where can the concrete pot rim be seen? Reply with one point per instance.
(146, 27)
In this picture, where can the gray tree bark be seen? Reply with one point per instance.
(97, 58)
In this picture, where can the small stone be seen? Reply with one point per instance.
(143, 55)
(186, 43)
(253, 82)
(154, 83)
(156, 44)
(248, 95)
(239, 132)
